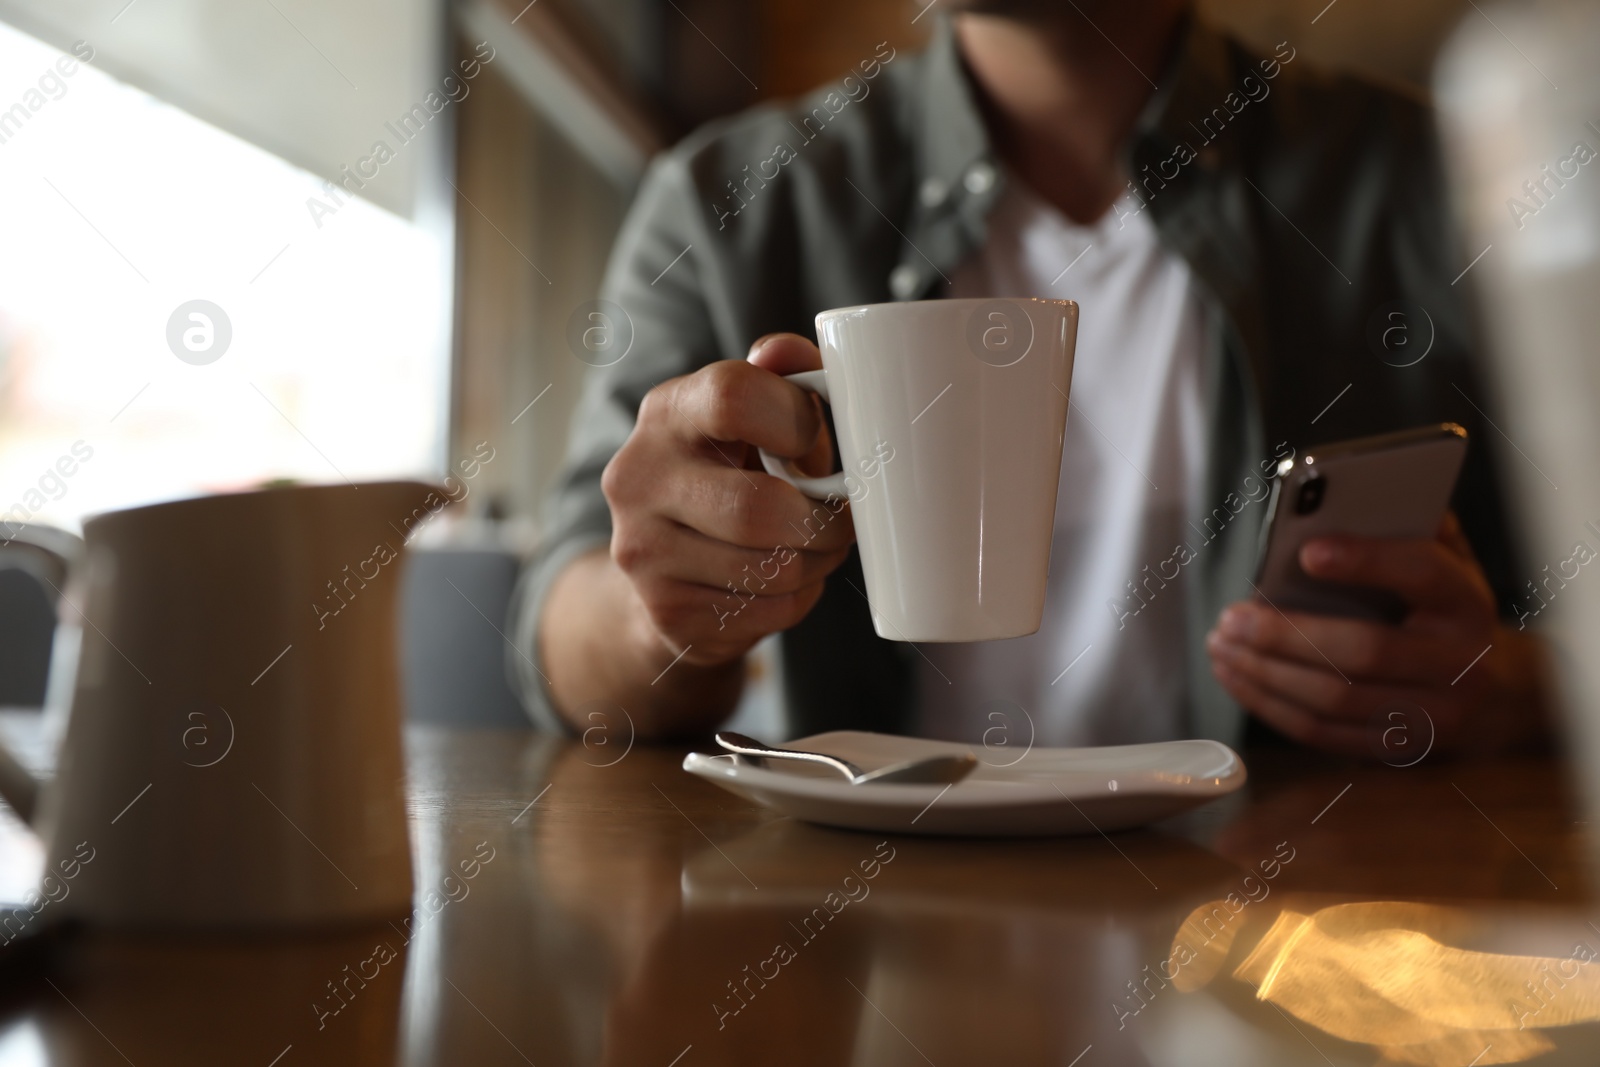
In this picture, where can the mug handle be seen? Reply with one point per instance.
(829, 485)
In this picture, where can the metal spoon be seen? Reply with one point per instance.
(934, 770)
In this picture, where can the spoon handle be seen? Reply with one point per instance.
(749, 746)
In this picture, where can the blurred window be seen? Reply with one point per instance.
(121, 213)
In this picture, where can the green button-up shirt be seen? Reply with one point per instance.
(1310, 208)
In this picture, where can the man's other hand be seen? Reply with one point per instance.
(1329, 682)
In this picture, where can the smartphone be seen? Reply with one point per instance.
(1390, 485)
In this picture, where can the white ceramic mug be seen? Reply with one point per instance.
(951, 416)
(233, 753)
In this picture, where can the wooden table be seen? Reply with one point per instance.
(631, 914)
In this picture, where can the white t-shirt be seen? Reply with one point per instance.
(1095, 673)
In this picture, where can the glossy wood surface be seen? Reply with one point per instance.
(626, 913)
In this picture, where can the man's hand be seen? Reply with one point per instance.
(1327, 682)
(719, 552)
(709, 553)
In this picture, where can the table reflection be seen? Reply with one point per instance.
(1401, 976)
(622, 912)
(143, 1000)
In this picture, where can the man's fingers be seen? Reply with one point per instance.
(752, 509)
(1426, 574)
(789, 353)
(686, 613)
(734, 401)
(1317, 689)
(1290, 719)
(785, 353)
(1357, 648)
(676, 552)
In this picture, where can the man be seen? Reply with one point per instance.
(1230, 225)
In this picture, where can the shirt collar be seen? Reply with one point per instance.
(956, 177)
(959, 179)
(1194, 81)
(953, 135)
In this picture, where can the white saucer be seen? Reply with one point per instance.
(1044, 791)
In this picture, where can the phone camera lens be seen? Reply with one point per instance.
(1310, 496)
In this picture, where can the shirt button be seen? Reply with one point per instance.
(979, 178)
(933, 192)
(903, 281)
